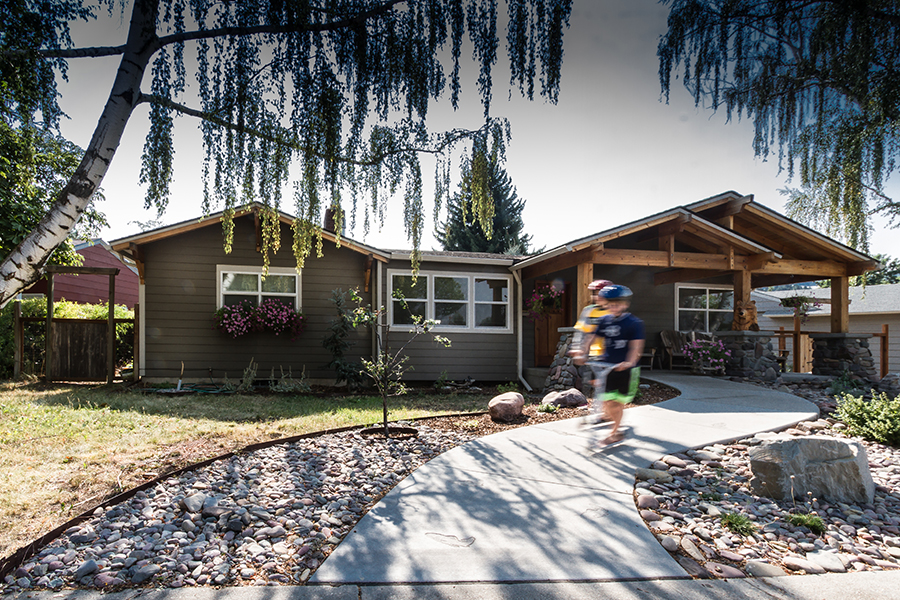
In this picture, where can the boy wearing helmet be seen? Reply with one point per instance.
(623, 335)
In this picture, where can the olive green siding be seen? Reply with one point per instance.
(181, 295)
(481, 356)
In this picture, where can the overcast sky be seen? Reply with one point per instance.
(608, 153)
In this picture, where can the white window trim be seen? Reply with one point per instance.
(470, 303)
(700, 286)
(247, 270)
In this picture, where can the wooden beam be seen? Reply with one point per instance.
(667, 245)
(655, 258)
(674, 226)
(758, 261)
(583, 278)
(858, 268)
(558, 263)
(680, 275)
(137, 255)
(840, 305)
(727, 209)
(61, 270)
(742, 286)
(820, 268)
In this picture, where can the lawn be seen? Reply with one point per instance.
(65, 448)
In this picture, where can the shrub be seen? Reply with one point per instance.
(508, 387)
(876, 420)
(738, 523)
(812, 522)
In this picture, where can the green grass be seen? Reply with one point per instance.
(64, 448)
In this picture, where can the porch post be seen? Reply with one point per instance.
(840, 305)
(742, 286)
(584, 277)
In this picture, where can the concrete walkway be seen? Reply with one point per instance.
(532, 505)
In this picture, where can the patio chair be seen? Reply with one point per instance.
(673, 343)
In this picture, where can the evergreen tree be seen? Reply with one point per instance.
(500, 231)
(820, 81)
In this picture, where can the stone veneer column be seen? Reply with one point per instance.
(839, 353)
(752, 354)
(563, 373)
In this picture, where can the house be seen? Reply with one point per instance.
(686, 266)
(871, 308)
(93, 289)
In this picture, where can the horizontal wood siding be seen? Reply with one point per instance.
(482, 356)
(180, 298)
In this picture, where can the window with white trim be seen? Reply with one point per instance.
(238, 284)
(704, 308)
(458, 301)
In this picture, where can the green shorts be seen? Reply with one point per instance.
(622, 386)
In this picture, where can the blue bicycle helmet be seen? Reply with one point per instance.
(616, 292)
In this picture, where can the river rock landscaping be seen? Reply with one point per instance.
(700, 507)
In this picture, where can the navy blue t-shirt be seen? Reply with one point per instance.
(617, 332)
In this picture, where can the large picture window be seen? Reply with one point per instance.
(238, 284)
(704, 308)
(457, 301)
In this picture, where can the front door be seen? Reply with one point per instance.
(546, 330)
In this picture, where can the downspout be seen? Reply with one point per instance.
(377, 306)
(518, 311)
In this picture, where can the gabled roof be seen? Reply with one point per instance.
(123, 244)
(710, 240)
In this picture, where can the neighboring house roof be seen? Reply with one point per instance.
(869, 300)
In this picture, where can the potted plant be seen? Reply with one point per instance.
(801, 305)
(271, 315)
(545, 298)
(707, 355)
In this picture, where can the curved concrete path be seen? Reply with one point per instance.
(532, 505)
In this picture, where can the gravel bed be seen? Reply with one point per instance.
(269, 517)
(686, 513)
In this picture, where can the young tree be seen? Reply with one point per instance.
(497, 229)
(281, 84)
(819, 79)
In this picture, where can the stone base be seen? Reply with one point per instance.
(753, 355)
(835, 354)
(563, 373)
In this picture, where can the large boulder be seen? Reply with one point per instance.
(566, 398)
(506, 407)
(826, 467)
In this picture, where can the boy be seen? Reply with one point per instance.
(587, 323)
(623, 336)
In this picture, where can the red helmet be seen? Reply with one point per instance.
(599, 284)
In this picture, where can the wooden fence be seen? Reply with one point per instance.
(802, 360)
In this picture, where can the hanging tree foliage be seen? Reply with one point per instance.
(335, 91)
(821, 82)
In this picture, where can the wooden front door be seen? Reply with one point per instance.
(546, 330)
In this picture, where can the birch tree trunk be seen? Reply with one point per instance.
(25, 263)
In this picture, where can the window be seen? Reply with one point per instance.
(238, 284)
(704, 308)
(458, 301)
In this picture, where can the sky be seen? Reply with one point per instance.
(609, 152)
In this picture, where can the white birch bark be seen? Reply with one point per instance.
(25, 263)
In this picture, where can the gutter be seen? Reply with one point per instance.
(519, 367)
